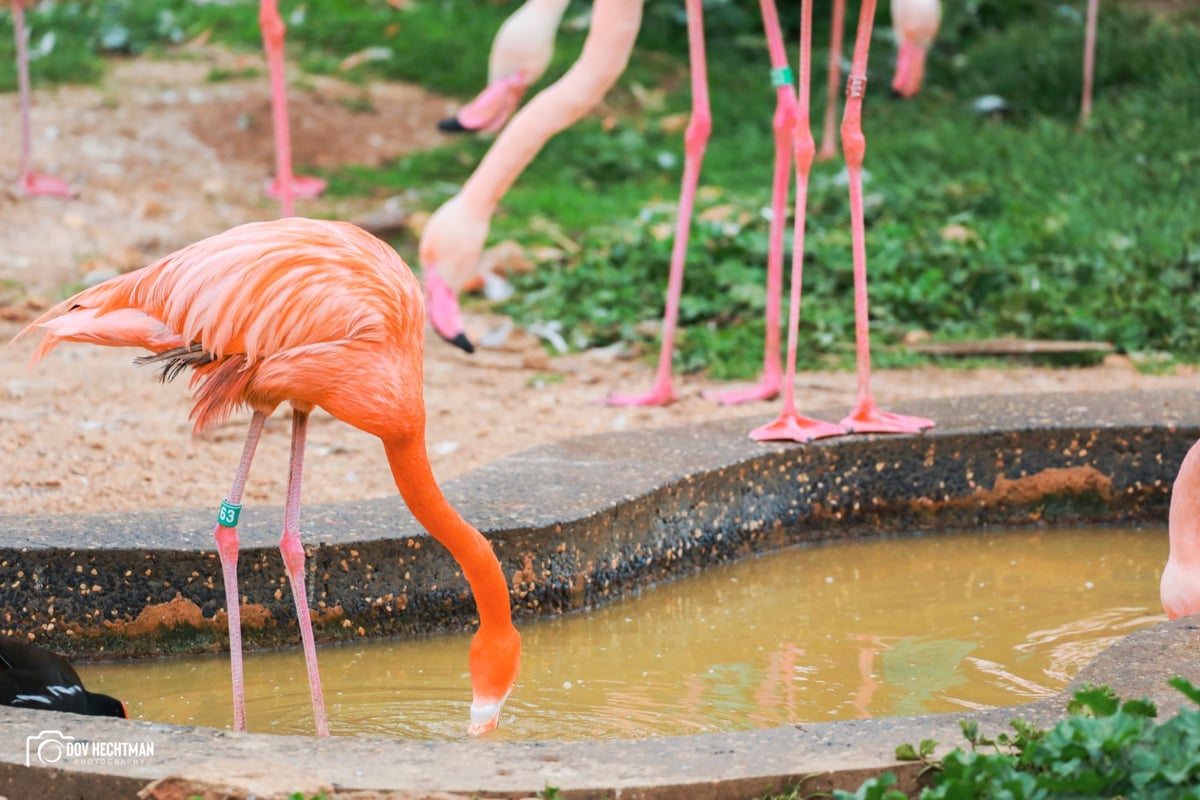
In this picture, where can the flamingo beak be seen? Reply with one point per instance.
(485, 717)
(489, 111)
(441, 304)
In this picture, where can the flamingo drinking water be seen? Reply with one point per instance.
(311, 313)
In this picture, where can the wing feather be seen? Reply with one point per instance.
(249, 297)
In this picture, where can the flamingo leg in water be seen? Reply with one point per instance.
(30, 182)
(866, 417)
(784, 125)
(227, 548)
(286, 185)
(695, 141)
(790, 425)
(833, 82)
(293, 558)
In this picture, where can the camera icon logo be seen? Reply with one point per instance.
(47, 748)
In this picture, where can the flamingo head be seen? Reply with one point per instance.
(495, 659)
(488, 112)
(441, 306)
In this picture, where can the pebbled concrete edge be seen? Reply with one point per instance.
(581, 522)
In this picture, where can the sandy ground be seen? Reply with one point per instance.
(162, 158)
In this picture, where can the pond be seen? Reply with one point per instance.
(871, 628)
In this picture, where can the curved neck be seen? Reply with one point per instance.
(414, 478)
(615, 24)
(1184, 518)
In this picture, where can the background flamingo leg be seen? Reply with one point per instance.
(293, 558)
(833, 82)
(790, 424)
(286, 185)
(866, 417)
(30, 182)
(784, 124)
(695, 141)
(1089, 60)
(227, 549)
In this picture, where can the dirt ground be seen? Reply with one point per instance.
(161, 158)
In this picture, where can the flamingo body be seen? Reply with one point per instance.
(915, 23)
(314, 314)
(1179, 588)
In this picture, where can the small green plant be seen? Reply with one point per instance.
(223, 74)
(359, 104)
(1105, 748)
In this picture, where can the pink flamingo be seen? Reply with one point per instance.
(29, 181)
(866, 416)
(312, 313)
(453, 238)
(1179, 588)
(520, 54)
(287, 186)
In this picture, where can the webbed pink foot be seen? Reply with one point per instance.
(767, 388)
(790, 426)
(35, 184)
(661, 394)
(869, 418)
(305, 187)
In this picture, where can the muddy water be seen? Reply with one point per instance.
(912, 625)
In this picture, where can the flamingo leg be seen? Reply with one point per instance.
(293, 558)
(784, 125)
(866, 417)
(227, 548)
(1089, 60)
(286, 185)
(695, 141)
(833, 81)
(790, 425)
(30, 182)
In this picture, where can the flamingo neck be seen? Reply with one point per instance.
(414, 478)
(606, 50)
(1184, 520)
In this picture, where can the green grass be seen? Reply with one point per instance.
(1104, 748)
(1065, 234)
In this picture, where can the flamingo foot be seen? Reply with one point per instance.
(790, 426)
(304, 187)
(767, 388)
(661, 394)
(35, 184)
(869, 418)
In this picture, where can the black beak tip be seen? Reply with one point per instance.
(895, 95)
(461, 341)
(451, 125)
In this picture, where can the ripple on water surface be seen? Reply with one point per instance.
(886, 627)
